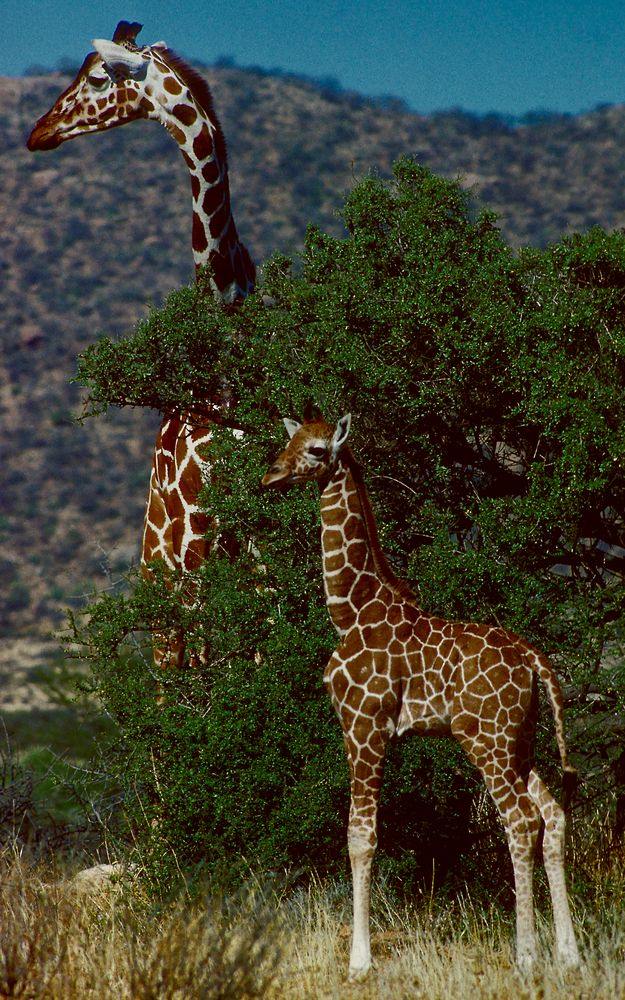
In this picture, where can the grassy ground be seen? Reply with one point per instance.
(69, 943)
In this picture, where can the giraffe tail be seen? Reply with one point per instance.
(570, 781)
(546, 673)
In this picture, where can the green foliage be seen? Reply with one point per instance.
(222, 771)
(487, 392)
(173, 360)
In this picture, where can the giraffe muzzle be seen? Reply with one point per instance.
(277, 475)
(43, 136)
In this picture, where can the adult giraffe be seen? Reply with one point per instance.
(119, 83)
(399, 670)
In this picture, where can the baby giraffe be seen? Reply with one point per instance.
(398, 670)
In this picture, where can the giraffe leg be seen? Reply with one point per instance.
(553, 857)
(362, 843)
(366, 760)
(168, 650)
(521, 819)
(522, 825)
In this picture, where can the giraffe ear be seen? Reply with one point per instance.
(292, 426)
(118, 57)
(342, 432)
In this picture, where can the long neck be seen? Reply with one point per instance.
(185, 108)
(355, 570)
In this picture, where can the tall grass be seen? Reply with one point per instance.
(290, 944)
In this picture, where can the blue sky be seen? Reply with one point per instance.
(509, 57)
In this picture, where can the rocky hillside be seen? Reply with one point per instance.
(97, 231)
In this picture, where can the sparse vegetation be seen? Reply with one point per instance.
(279, 943)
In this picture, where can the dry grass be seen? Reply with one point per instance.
(58, 943)
(454, 954)
(64, 942)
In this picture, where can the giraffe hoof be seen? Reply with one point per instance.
(526, 964)
(358, 974)
(569, 959)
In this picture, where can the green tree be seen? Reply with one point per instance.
(487, 393)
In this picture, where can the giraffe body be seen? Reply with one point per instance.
(119, 83)
(399, 670)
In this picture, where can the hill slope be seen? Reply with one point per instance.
(97, 231)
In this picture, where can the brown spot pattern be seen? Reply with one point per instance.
(212, 199)
(198, 234)
(185, 113)
(211, 172)
(203, 144)
(170, 84)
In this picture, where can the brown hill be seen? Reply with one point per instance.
(97, 231)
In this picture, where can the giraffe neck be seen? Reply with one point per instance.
(120, 83)
(355, 570)
(181, 101)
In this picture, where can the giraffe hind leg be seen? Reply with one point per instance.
(553, 859)
(521, 819)
(168, 650)
(522, 826)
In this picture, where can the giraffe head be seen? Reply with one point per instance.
(312, 452)
(121, 82)
(115, 84)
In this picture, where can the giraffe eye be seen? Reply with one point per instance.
(317, 452)
(98, 82)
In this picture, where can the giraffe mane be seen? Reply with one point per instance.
(201, 92)
(381, 563)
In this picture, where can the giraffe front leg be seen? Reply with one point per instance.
(362, 844)
(366, 759)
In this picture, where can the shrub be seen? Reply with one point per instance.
(487, 392)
